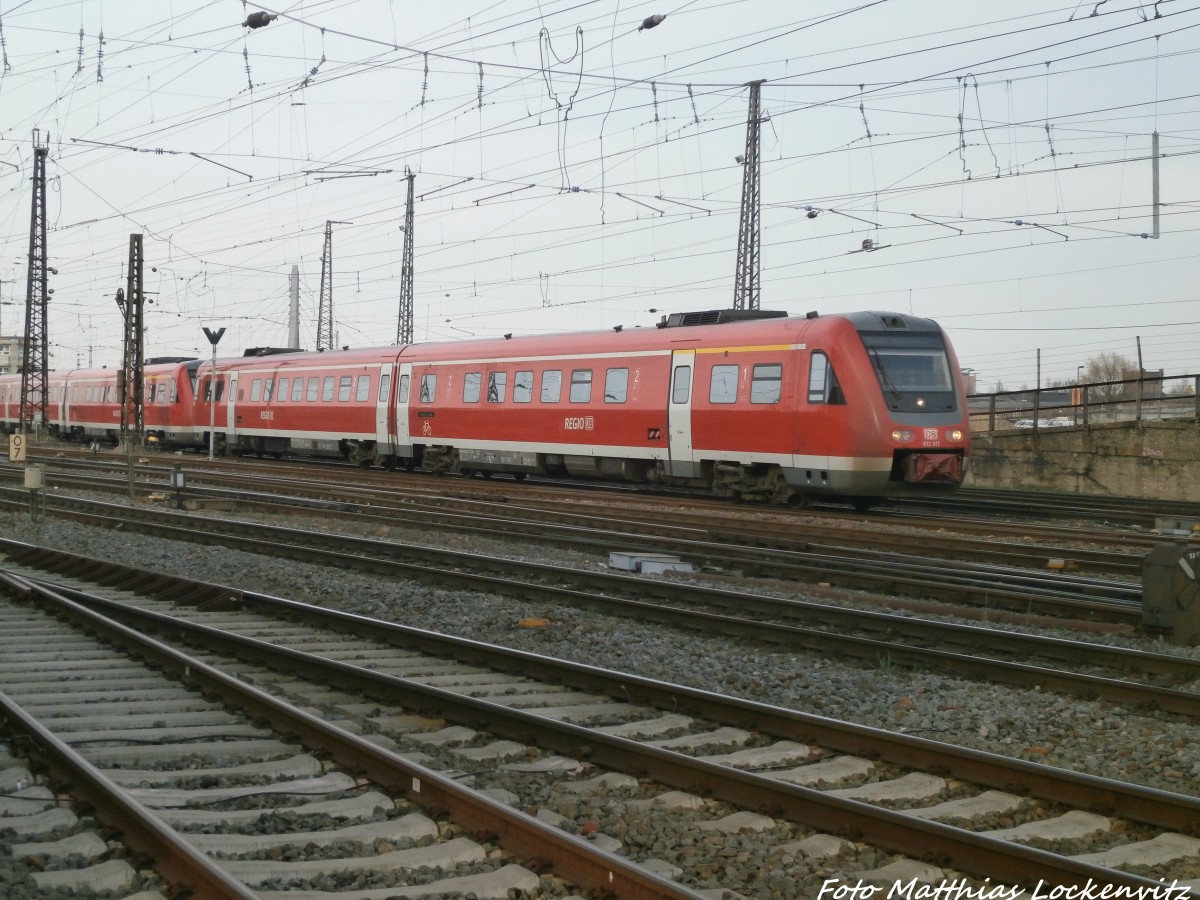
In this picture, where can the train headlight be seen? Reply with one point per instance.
(902, 434)
(921, 402)
(954, 434)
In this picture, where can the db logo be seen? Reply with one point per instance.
(931, 434)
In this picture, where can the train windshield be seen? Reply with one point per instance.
(913, 370)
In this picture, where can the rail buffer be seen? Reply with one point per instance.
(1170, 605)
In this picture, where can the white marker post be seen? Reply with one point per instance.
(214, 338)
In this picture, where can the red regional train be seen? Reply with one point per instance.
(753, 404)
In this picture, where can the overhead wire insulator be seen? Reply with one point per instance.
(4, 49)
(259, 19)
(651, 21)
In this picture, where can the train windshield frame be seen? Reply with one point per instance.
(913, 370)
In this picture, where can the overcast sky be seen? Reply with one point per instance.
(574, 171)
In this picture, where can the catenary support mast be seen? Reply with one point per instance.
(746, 281)
(35, 361)
(404, 323)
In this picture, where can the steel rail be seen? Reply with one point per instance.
(721, 531)
(571, 857)
(962, 849)
(907, 576)
(366, 553)
(175, 860)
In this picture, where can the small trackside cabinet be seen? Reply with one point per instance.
(1170, 605)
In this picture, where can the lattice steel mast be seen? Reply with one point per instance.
(404, 323)
(749, 265)
(132, 382)
(35, 358)
(325, 305)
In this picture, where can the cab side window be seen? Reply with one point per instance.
(823, 387)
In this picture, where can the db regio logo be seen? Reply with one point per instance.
(579, 423)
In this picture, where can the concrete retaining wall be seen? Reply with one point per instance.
(1158, 459)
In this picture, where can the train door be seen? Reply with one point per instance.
(682, 462)
(403, 393)
(385, 435)
(231, 416)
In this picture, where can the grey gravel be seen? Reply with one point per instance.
(1093, 737)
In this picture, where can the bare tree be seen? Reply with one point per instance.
(1105, 368)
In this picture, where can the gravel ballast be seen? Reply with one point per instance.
(1093, 737)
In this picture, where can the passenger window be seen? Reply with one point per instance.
(823, 385)
(345, 383)
(282, 395)
(551, 385)
(206, 390)
(471, 384)
(497, 387)
(255, 390)
(297, 390)
(722, 388)
(681, 384)
(268, 389)
(402, 390)
(150, 393)
(314, 388)
(161, 393)
(616, 385)
(428, 388)
(174, 392)
(766, 383)
(385, 385)
(220, 388)
(363, 391)
(327, 389)
(581, 385)
(523, 387)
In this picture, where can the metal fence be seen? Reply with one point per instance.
(1134, 400)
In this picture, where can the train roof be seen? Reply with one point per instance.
(699, 329)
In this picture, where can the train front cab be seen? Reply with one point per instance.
(922, 411)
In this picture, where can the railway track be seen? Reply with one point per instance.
(1166, 682)
(562, 721)
(216, 791)
(748, 547)
(899, 640)
(1123, 511)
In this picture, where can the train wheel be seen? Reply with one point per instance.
(799, 501)
(519, 476)
(389, 464)
(467, 473)
(863, 504)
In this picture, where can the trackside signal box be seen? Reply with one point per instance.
(1170, 601)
